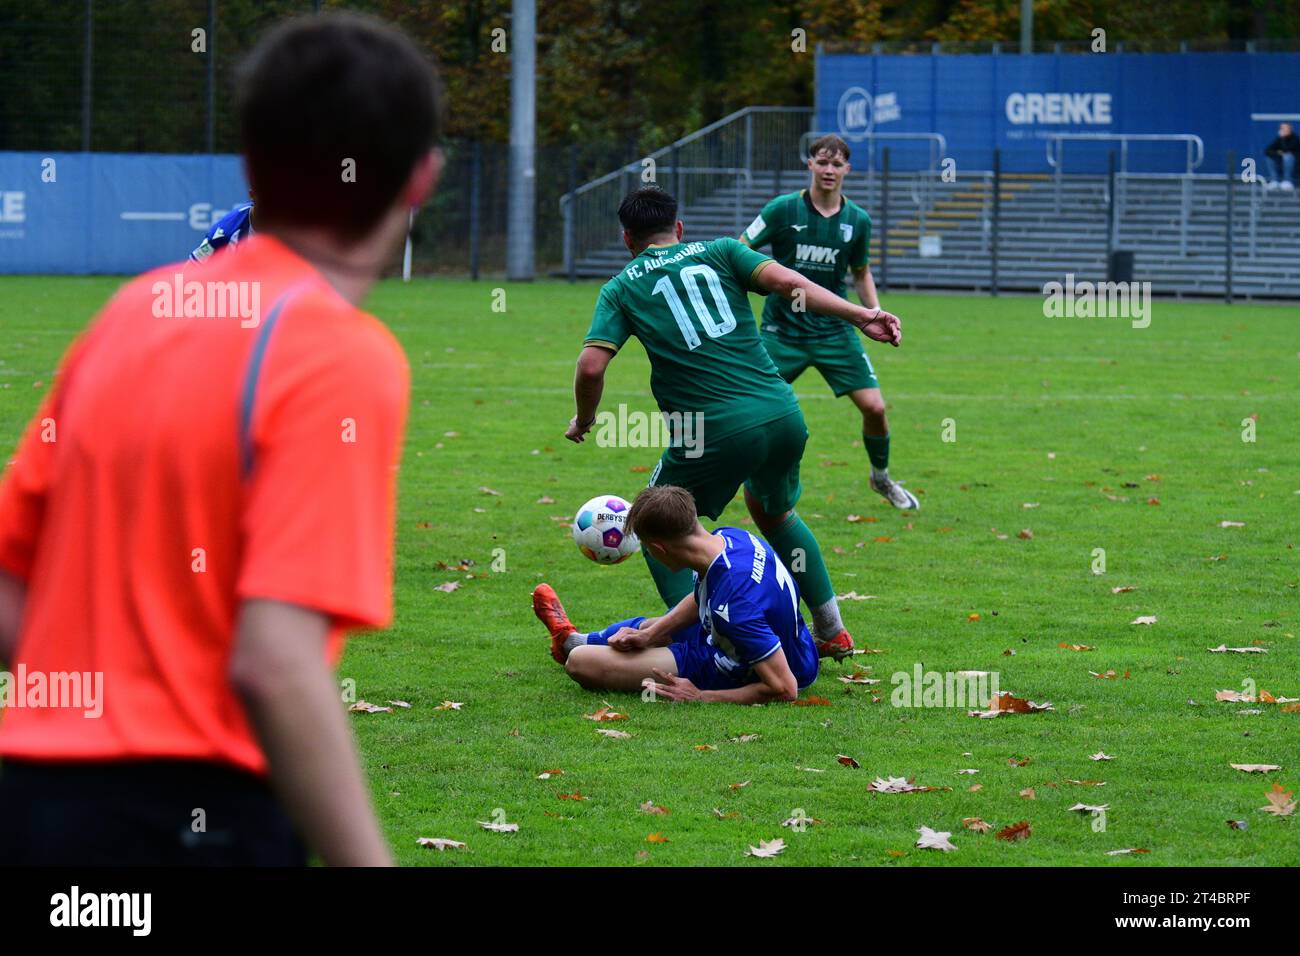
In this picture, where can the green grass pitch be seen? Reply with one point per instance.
(1071, 416)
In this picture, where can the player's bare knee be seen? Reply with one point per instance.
(582, 666)
(873, 411)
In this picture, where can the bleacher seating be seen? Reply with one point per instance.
(1043, 237)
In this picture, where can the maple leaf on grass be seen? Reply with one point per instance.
(810, 701)
(1224, 649)
(1131, 849)
(1255, 767)
(499, 826)
(858, 677)
(450, 705)
(606, 713)
(365, 707)
(1088, 808)
(898, 785)
(1007, 703)
(1234, 696)
(620, 734)
(1147, 619)
(1281, 802)
(766, 848)
(934, 840)
(439, 843)
(548, 774)
(448, 586)
(847, 761)
(976, 824)
(1100, 755)
(656, 838)
(801, 821)
(651, 807)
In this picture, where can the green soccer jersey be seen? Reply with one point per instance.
(819, 247)
(688, 304)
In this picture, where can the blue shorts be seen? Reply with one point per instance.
(697, 659)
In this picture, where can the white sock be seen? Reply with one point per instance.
(826, 620)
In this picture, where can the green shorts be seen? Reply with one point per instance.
(765, 459)
(840, 358)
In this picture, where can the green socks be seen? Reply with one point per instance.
(796, 546)
(877, 451)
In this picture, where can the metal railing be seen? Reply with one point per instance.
(722, 155)
(1195, 149)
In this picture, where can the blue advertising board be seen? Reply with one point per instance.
(108, 212)
(1013, 102)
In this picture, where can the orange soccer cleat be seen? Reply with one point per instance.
(839, 647)
(549, 610)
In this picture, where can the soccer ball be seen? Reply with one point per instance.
(598, 530)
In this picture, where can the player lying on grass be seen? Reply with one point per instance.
(688, 303)
(737, 637)
(819, 232)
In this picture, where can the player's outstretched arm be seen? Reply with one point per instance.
(588, 385)
(808, 295)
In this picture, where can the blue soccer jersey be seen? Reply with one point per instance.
(228, 230)
(749, 608)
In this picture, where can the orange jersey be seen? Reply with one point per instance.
(204, 443)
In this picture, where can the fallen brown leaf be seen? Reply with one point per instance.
(1017, 831)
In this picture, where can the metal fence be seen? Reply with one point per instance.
(722, 157)
(95, 75)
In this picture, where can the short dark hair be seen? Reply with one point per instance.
(320, 90)
(646, 212)
(662, 513)
(831, 143)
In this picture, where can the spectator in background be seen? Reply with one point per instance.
(1283, 152)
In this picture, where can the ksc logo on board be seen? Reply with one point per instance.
(859, 113)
